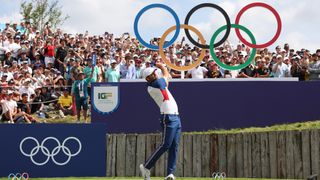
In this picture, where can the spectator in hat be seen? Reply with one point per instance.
(314, 68)
(37, 63)
(4, 81)
(8, 59)
(15, 47)
(75, 70)
(280, 69)
(112, 74)
(80, 93)
(26, 67)
(65, 103)
(8, 30)
(213, 70)
(9, 108)
(174, 73)
(6, 70)
(23, 58)
(262, 70)
(89, 68)
(297, 70)
(27, 89)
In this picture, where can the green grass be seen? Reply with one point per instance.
(281, 127)
(54, 118)
(133, 178)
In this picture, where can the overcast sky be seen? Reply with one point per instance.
(300, 19)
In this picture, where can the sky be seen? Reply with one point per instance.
(300, 19)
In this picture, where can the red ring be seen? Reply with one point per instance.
(275, 13)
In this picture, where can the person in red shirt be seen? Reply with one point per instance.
(48, 53)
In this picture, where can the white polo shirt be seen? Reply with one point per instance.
(160, 93)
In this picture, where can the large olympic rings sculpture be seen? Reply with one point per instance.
(212, 44)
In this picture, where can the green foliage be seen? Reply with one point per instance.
(42, 12)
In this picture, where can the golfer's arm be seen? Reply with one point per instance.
(165, 73)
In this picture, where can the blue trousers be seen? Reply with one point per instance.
(171, 127)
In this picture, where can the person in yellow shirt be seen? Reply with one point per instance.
(65, 103)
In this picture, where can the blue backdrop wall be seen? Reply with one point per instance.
(215, 105)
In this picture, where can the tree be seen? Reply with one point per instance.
(41, 13)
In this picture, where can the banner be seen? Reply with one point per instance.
(42, 150)
(216, 105)
(105, 99)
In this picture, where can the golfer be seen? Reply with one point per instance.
(169, 120)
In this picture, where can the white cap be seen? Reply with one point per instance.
(113, 61)
(279, 56)
(148, 71)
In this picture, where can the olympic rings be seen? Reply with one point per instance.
(276, 14)
(50, 154)
(218, 175)
(217, 60)
(212, 45)
(18, 176)
(136, 21)
(173, 66)
(223, 12)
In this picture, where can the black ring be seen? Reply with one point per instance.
(224, 13)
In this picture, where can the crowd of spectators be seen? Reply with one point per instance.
(39, 67)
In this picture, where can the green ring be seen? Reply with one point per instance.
(217, 60)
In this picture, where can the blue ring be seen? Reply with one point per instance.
(136, 21)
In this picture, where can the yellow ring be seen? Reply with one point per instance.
(173, 66)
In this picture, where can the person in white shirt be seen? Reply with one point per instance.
(197, 73)
(280, 69)
(26, 88)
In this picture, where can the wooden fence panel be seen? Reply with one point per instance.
(231, 155)
(196, 156)
(150, 148)
(131, 145)
(110, 155)
(289, 155)
(187, 155)
(141, 152)
(247, 163)
(205, 155)
(214, 160)
(222, 151)
(314, 141)
(281, 154)
(159, 167)
(239, 155)
(297, 154)
(306, 161)
(256, 157)
(121, 155)
(180, 163)
(265, 156)
(273, 154)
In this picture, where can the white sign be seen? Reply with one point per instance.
(106, 99)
